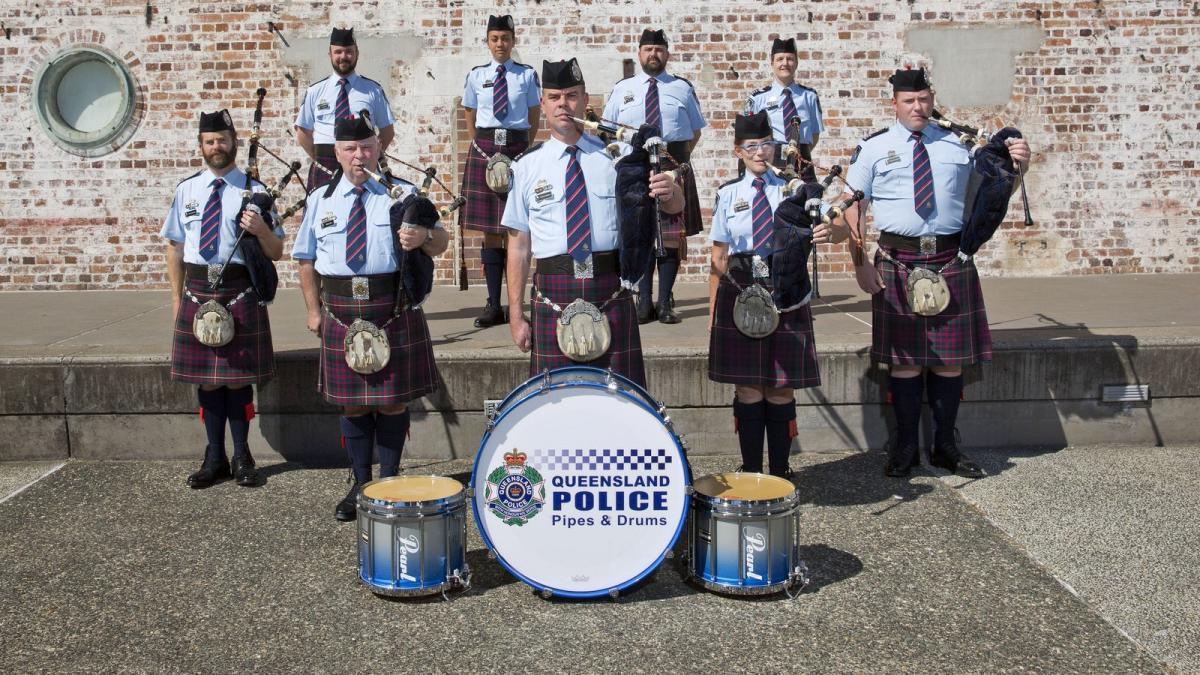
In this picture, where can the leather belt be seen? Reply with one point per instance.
(604, 262)
(511, 135)
(360, 288)
(233, 272)
(744, 263)
(923, 245)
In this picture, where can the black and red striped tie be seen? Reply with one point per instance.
(922, 178)
(356, 233)
(210, 226)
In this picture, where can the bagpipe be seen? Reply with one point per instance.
(263, 275)
(991, 183)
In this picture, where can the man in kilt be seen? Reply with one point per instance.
(563, 211)
(201, 229)
(349, 261)
(668, 102)
(500, 100)
(764, 370)
(915, 177)
(343, 94)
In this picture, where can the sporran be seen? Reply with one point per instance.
(213, 324)
(754, 312)
(498, 173)
(583, 332)
(367, 347)
(928, 292)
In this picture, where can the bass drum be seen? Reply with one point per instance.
(580, 486)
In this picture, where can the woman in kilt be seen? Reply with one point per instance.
(501, 101)
(765, 370)
(202, 229)
(348, 271)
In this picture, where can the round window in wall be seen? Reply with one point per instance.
(85, 99)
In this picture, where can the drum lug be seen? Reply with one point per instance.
(546, 593)
(609, 380)
(670, 555)
(614, 594)
(491, 554)
(546, 379)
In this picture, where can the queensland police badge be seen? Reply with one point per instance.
(515, 492)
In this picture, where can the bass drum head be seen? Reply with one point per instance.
(412, 489)
(580, 488)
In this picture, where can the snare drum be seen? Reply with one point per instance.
(580, 484)
(742, 538)
(411, 535)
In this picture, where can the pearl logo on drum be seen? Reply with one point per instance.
(408, 546)
(515, 492)
(756, 542)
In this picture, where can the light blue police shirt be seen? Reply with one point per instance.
(318, 109)
(808, 109)
(536, 203)
(882, 168)
(733, 215)
(677, 105)
(183, 221)
(524, 92)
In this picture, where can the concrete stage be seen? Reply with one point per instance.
(85, 374)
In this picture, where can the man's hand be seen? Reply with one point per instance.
(661, 186)
(253, 223)
(413, 237)
(314, 322)
(519, 327)
(869, 279)
(1018, 148)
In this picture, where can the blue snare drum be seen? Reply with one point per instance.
(411, 535)
(742, 538)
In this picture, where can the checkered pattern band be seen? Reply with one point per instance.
(595, 459)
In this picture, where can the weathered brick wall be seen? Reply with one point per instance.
(1108, 100)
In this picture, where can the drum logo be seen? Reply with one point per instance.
(516, 492)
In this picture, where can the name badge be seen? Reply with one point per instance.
(322, 105)
(892, 158)
(328, 220)
(488, 84)
(629, 98)
(542, 191)
(740, 205)
(772, 103)
(190, 209)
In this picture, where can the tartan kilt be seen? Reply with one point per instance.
(692, 218)
(785, 359)
(484, 208)
(957, 336)
(248, 359)
(325, 157)
(410, 373)
(624, 355)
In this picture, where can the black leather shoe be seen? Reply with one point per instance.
(900, 461)
(667, 315)
(946, 455)
(645, 312)
(244, 471)
(210, 472)
(347, 509)
(493, 315)
(786, 474)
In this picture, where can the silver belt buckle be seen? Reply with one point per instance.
(759, 267)
(583, 268)
(360, 288)
(928, 245)
(500, 137)
(214, 274)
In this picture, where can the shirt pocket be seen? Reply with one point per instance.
(603, 205)
(893, 180)
(951, 163)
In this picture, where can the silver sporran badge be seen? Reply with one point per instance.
(754, 313)
(499, 173)
(583, 332)
(928, 292)
(367, 348)
(213, 324)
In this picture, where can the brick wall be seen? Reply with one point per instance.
(1108, 100)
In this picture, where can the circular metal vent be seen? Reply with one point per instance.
(85, 98)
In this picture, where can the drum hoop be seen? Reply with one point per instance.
(399, 510)
(505, 409)
(741, 508)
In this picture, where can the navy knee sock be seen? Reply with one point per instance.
(390, 433)
(212, 412)
(493, 260)
(646, 284)
(239, 406)
(944, 394)
(358, 437)
(668, 267)
(751, 426)
(781, 429)
(906, 406)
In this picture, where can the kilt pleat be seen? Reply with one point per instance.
(957, 336)
(624, 355)
(248, 359)
(786, 358)
(484, 208)
(410, 373)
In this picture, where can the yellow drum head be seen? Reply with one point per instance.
(412, 488)
(744, 486)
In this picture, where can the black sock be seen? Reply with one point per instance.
(944, 394)
(906, 406)
(390, 433)
(646, 284)
(212, 411)
(493, 260)
(781, 429)
(358, 436)
(668, 266)
(239, 406)
(751, 426)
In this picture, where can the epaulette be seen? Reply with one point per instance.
(332, 185)
(189, 178)
(533, 148)
(873, 135)
(760, 90)
(858, 148)
(523, 65)
(814, 91)
(485, 65)
(319, 81)
(381, 89)
(740, 176)
(689, 82)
